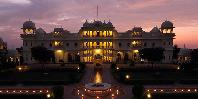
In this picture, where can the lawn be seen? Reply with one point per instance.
(41, 76)
(155, 76)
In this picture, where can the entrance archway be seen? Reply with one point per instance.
(119, 57)
(98, 53)
(69, 57)
(126, 57)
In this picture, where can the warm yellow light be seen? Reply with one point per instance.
(148, 95)
(56, 43)
(117, 68)
(135, 51)
(19, 68)
(59, 51)
(110, 33)
(127, 76)
(48, 95)
(97, 51)
(178, 68)
(133, 42)
(98, 78)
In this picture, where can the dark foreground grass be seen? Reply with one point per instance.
(174, 96)
(40, 77)
(23, 96)
(156, 77)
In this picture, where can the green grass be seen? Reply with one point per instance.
(40, 77)
(156, 77)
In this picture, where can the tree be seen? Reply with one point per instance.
(188, 66)
(41, 54)
(58, 92)
(175, 51)
(126, 57)
(194, 56)
(152, 54)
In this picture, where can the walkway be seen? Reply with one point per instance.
(107, 78)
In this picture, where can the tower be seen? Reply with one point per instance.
(29, 27)
(167, 27)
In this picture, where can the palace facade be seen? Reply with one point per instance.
(97, 41)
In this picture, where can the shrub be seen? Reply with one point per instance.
(138, 91)
(58, 92)
(113, 65)
(132, 63)
(82, 65)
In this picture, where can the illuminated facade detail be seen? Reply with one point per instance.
(97, 41)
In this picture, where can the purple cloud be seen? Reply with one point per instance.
(124, 14)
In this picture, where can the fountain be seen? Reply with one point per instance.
(97, 88)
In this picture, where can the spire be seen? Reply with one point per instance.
(184, 45)
(97, 12)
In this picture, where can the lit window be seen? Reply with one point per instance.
(58, 43)
(84, 33)
(135, 51)
(110, 33)
(28, 31)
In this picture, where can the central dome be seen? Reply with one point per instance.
(29, 25)
(167, 24)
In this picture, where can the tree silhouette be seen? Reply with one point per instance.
(152, 54)
(175, 51)
(41, 54)
(138, 91)
(194, 56)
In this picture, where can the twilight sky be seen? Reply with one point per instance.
(124, 14)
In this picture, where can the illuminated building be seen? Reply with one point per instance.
(97, 42)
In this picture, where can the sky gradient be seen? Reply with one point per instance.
(124, 14)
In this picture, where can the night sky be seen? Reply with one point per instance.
(124, 14)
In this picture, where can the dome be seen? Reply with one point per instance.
(29, 25)
(137, 29)
(58, 30)
(155, 30)
(97, 22)
(110, 24)
(86, 24)
(167, 24)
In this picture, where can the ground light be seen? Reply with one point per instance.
(19, 68)
(48, 95)
(149, 95)
(127, 76)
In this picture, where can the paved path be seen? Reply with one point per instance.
(107, 77)
(86, 78)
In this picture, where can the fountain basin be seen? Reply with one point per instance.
(97, 89)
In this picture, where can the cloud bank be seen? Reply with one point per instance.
(124, 14)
